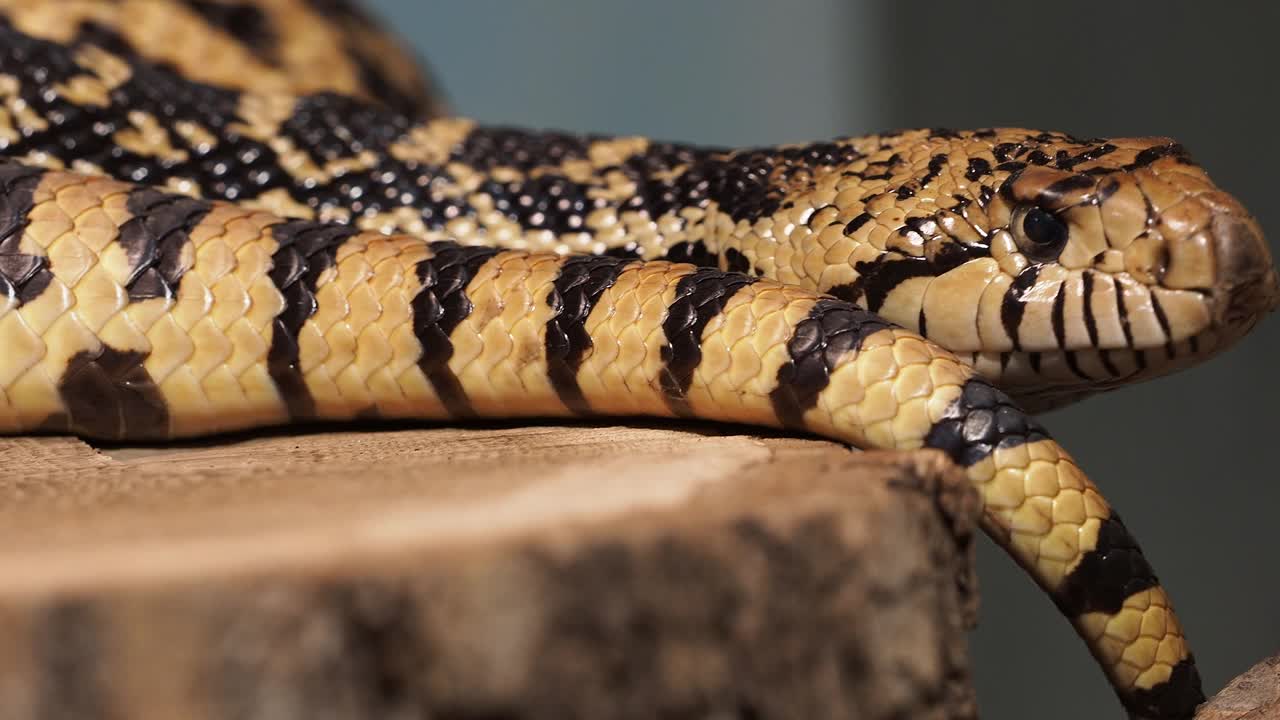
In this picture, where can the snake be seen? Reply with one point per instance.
(221, 215)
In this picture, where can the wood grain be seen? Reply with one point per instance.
(1254, 695)
(501, 571)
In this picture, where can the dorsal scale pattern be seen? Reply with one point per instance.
(180, 258)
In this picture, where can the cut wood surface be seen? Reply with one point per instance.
(502, 571)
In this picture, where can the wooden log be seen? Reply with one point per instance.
(513, 572)
(1255, 695)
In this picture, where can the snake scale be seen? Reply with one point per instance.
(218, 215)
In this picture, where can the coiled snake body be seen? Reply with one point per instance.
(289, 244)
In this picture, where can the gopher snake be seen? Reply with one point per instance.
(302, 238)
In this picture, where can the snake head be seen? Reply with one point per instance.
(1161, 266)
(1057, 266)
(1144, 210)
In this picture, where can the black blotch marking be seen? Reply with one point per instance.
(750, 184)
(439, 307)
(1070, 162)
(103, 37)
(153, 240)
(735, 261)
(746, 184)
(245, 22)
(1039, 157)
(1014, 304)
(981, 420)
(1175, 698)
(985, 194)
(108, 394)
(330, 127)
(486, 148)
(856, 223)
(978, 168)
(1152, 154)
(699, 296)
(936, 165)
(22, 276)
(581, 282)
(877, 278)
(832, 329)
(694, 253)
(1006, 151)
(304, 251)
(236, 168)
(1106, 575)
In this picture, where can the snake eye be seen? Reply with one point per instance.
(1041, 235)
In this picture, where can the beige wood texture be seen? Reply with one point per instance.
(501, 571)
(1254, 695)
(504, 571)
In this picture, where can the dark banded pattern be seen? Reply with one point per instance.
(581, 282)
(984, 420)
(699, 297)
(154, 241)
(109, 394)
(1114, 570)
(1055, 265)
(673, 339)
(304, 251)
(438, 308)
(934, 217)
(833, 330)
(23, 276)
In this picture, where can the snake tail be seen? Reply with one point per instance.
(132, 313)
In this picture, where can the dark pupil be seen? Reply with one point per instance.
(1043, 229)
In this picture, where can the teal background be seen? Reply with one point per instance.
(1187, 459)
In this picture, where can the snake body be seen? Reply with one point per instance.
(186, 249)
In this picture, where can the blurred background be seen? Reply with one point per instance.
(1188, 460)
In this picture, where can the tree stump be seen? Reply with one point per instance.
(496, 572)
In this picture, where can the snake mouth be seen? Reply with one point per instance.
(1060, 378)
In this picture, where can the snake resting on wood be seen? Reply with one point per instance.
(217, 216)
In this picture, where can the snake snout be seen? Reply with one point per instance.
(1246, 285)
